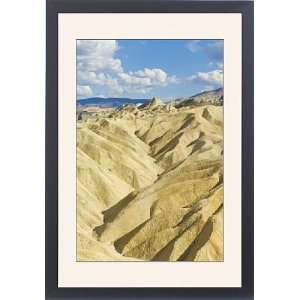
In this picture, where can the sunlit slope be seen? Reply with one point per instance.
(150, 184)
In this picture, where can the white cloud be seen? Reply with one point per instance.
(90, 77)
(84, 91)
(103, 48)
(156, 76)
(97, 67)
(96, 64)
(115, 89)
(208, 80)
(142, 81)
(130, 79)
(146, 77)
(96, 55)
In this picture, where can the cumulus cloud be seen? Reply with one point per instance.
(143, 81)
(131, 80)
(156, 76)
(208, 80)
(96, 55)
(90, 77)
(103, 48)
(115, 89)
(84, 91)
(98, 67)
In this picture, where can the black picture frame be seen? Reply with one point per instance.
(118, 6)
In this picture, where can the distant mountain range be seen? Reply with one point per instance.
(109, 102)
(214, 97)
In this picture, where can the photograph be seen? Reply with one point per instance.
(149, 150)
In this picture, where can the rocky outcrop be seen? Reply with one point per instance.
(150, 184)
(214, 97)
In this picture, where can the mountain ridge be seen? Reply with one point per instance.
(109, 102)
(215, 96)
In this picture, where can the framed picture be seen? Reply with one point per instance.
(149, 149)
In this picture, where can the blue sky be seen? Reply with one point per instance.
(168, 69)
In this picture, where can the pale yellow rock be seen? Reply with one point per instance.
(150, 183)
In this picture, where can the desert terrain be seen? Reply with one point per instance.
(150, 180)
